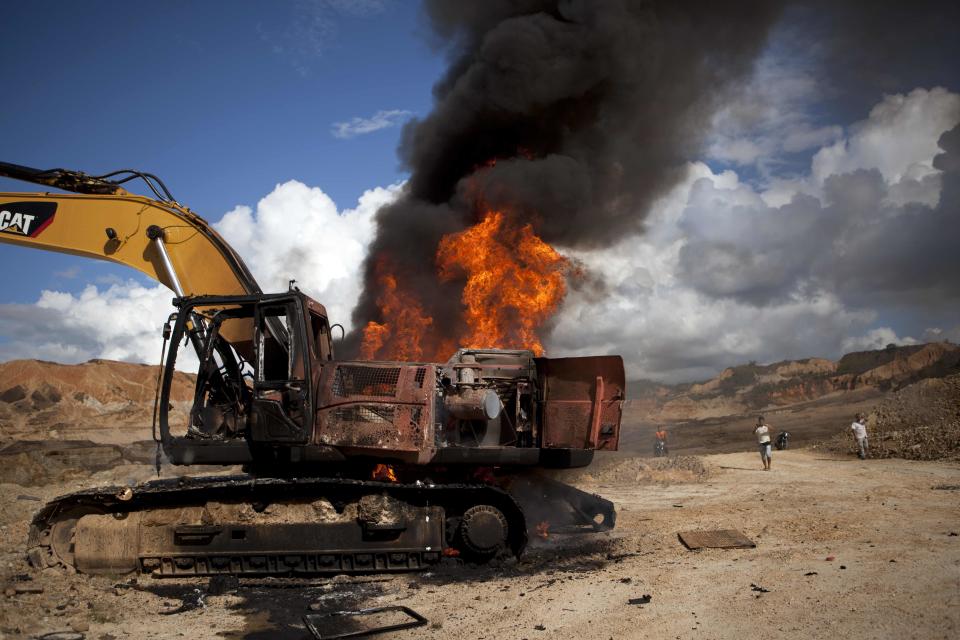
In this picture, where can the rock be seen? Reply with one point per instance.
(80, 625)
(45, 398)
(13, 394)
(62, 635)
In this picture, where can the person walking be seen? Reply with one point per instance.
(859, 428)
(762, 431)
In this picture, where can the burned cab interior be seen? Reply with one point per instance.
(258, 389)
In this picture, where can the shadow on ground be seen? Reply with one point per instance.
(274, 607)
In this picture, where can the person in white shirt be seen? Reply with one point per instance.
(859, 429)
(762, 431)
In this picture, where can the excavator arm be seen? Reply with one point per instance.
(100, 219)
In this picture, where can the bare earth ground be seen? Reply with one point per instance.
(891, 532)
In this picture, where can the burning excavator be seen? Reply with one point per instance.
(350, 466)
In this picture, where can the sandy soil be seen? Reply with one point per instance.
(895, 571)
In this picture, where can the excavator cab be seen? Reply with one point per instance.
(281, 407)
(249, 393)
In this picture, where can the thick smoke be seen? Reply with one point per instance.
(576, 115)
(867, 48)
(573, 115)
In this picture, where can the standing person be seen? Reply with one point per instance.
(762, 431)
(660, 447)
(859, 429)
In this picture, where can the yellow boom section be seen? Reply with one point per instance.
(115, 227)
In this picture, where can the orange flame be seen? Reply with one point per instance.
(450, 552)
(384, 473)
(399, 336)
(514, 282)
(543, 529)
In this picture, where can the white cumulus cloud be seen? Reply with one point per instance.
(295, 232)
(120, 322)
(726, 274)
(877, 338)
(899, 138)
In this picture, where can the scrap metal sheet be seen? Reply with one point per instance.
(717, 539)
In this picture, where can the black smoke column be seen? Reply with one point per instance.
(571, 115)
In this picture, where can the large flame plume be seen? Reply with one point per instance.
(512, 283)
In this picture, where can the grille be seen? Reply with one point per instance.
(421, 376)
(378, 413)
(365, 381)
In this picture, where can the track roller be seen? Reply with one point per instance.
(484, 530)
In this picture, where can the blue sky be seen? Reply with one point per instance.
(755, 254)
(221, 100)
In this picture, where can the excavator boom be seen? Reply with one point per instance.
(101, 220)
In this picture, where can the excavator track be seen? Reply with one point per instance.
(243, 525)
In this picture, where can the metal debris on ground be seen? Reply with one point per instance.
(718, 539)
(316, 623)
(191, 601)
(810, 573)
(644, 599)
(756, 587)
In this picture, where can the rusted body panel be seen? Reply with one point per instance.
(373, 407)
(582, 402)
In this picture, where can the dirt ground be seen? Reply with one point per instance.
(845, 548)
(890, 527)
